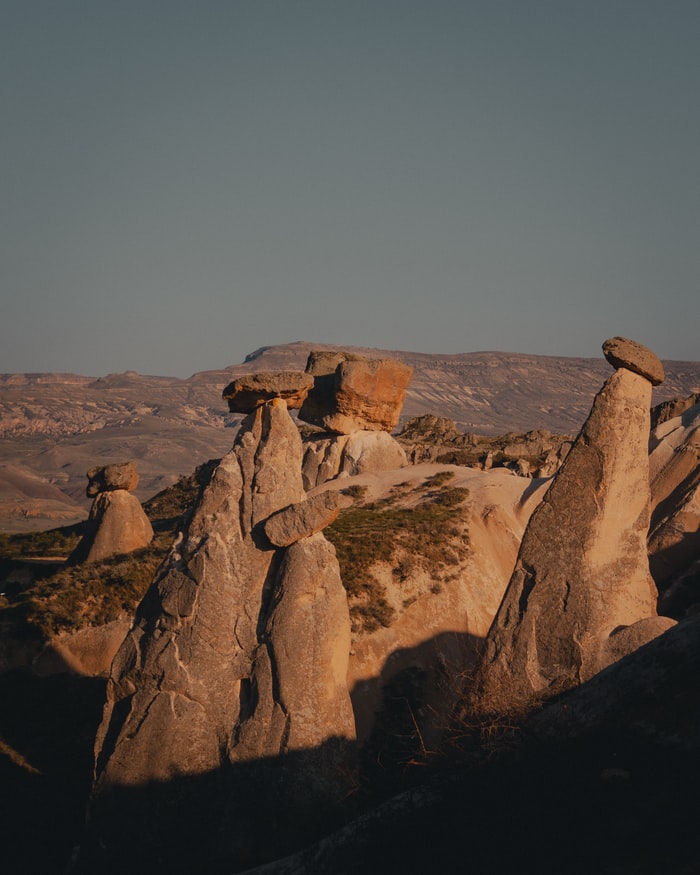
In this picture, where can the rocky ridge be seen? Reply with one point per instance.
(54, 426)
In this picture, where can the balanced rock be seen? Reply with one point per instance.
(233, 674)
(302, 520)
(623, 353)
(111, 477)
(581, 595)
(116, 525)
(363, 394)
(247, 393)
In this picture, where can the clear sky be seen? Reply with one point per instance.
(182, 182)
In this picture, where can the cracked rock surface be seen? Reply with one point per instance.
(581, 595)
(238, 654)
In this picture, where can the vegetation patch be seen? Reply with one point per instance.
(54, 543)
(95, 593)
(365, 536)
(85, 595)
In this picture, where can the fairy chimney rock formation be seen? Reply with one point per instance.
(581, 595)
(235, 667)
(117, 523)
(247, 393)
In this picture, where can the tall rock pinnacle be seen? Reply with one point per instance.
(233, 673)
(581, 595)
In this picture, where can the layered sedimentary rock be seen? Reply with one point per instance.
(117, 523)
(581, 595)
(234, 671)
(355, 394)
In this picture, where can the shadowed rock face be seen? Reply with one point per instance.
(674, 537)
(581, 595)
(238, 650)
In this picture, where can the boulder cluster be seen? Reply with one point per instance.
(354, 403)
(116, 523)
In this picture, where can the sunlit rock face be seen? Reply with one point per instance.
(234, 670)
(117, 523)
(354, 394)
(581, 595)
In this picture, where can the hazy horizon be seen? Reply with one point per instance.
(184, 183)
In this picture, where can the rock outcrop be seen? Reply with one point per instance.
(536, 453)
(329, 456)
(674, 536)
(233, 674)
(117, 523)
(581, 595)
(355, 394)
(628, 354)
(247, 393)
(356, 402)
(108, 478)
(302, 520)
(672, 408)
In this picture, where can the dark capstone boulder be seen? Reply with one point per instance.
(247, 393)
(624, 353)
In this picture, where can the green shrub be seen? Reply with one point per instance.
(366, 536)
(86, 595)
(51, 543)
(355, 491)
(439, 479)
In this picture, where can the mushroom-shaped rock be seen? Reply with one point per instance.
(624, 353)
(108, 478)
(303, 519)
(117, 524)
(247, 393)
(581, 595)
